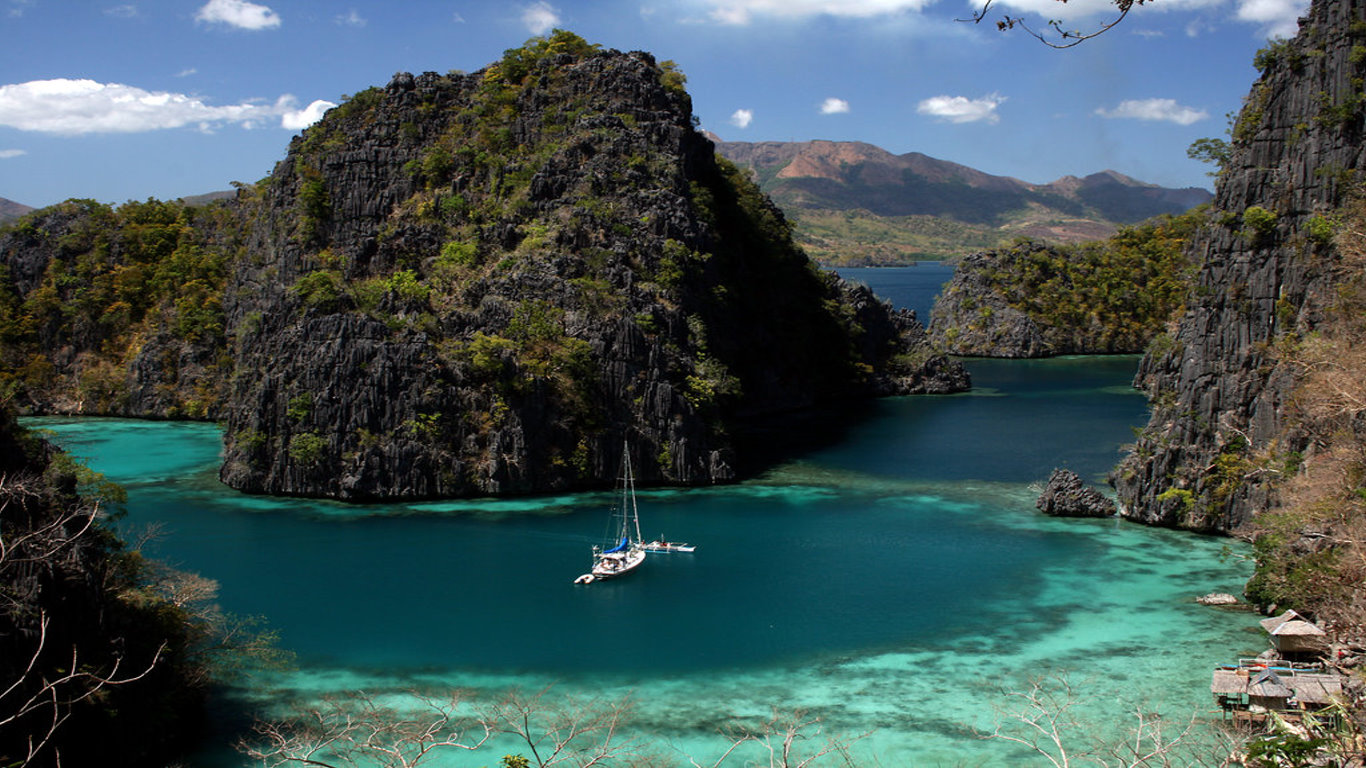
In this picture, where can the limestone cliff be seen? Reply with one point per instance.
(461, 284)
(484, 283)
(1038, 301)
(1217, 385)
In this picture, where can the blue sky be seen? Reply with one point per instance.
(129, 99)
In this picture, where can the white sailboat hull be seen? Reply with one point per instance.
(612, 564)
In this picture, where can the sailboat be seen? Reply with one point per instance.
(626, 552)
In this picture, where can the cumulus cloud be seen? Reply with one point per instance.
(352, 19)
(742, 118)
(743, 11)
(238, 13)
(1166, 110)
(299, 119)
(540, 17)
(6, 154)
(75, 107)
(961, 109)
(1280, 18)
(834, 106)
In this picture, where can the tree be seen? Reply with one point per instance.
(1057, 37)
(47, 677)
(788, 740)
(1043, 720)
(1214, 151)
(586, 733)
(359, 729)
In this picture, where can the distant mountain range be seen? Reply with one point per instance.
(10, 210)
(855, 203)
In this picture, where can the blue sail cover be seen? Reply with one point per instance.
(617, 548)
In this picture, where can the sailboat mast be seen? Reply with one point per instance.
(631, 491)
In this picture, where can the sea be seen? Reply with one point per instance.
(895, 590)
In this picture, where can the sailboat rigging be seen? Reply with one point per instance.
(627, 551)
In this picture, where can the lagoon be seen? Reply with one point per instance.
(893, 582)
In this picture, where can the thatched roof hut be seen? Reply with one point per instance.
(1260, 690)
(1292, 633)
(1314, 691)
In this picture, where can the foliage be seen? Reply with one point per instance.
(1307, 551)
(321, 289)
(1109, 296)
(517, 63)
(1214, 151)
(112, 278)
(671, 77)
(105, 656)
(1279, 52)
(1259, 220)
(307, 448)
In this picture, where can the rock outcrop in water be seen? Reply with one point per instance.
(486, 283)
(1218, 388)
(1066, 496)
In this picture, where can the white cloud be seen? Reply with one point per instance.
(834, 106)
(187, 72)
(238, 13)
(1166, 110)
(742, 118)
(352, 19)
(1279, 17)
(961, 109)
(540, 17)
(122, 11)
(17, 7)
(6, 154)
(299, 119)
(75, 107)
(743, 11)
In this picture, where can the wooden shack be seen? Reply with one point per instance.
(1292, 634)
(1250, 692)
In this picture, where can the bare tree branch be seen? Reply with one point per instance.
(1068, 38)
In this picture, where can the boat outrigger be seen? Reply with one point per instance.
(628, 552)
(663, 545)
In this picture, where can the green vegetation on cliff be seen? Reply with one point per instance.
(89, 293)
(1310, 549)
(457, 284)
(1101, 297)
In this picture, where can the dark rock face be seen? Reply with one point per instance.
(588, 275)
(1217, 390)
(970, 317)
(468, 284)
(1066, 496)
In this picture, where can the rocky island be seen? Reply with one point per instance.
(460, 284)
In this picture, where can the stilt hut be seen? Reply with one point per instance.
(1268, 693)
(1249, 693)
(1293, 635)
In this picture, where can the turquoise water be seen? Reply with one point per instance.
(894, 582)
